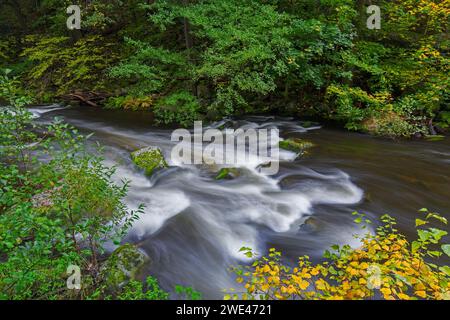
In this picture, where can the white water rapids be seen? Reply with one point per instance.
(194, 225)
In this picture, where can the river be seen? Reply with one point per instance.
(194, 225)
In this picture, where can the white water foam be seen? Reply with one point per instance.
(232, 212)
(39, 111)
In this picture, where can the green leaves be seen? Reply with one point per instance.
(248, 252)
(446, 270)
(446, 249)
(180, 107)
(65, 65)
(416, 245)
(45, 215)
(189, 293)
(432, 235)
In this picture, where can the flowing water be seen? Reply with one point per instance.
(194, 225)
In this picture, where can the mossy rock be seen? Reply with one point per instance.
(311, 224)
(149, 159)
(295, 145)
(227, 173)
(124, 264)
(308, 124)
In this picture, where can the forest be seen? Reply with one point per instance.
(218, 58)
(86, 181)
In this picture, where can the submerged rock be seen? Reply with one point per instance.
(311, 224)
(124, 264)
(295, 145)
(227, 173)
(149, 159)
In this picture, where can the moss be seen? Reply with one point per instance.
(149, 159)
(124, 264)
(295, 145)
(227, 173)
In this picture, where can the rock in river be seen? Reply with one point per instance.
(149, 159)
(295, 145)
(123, 265)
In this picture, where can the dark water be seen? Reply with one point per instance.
(195, 225)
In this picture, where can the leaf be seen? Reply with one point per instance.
(420, 222)
(446, 249)
(434, 253)
(437, 217)
(89, 135)
(446, 270)
(424, 235)
(303, 284)
(438, 233)
(415, 246)
(386, 291)
(421, 294)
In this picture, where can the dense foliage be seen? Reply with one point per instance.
(48, 223)
(204, 59)
(385, 266)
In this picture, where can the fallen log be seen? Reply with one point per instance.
(83, 99)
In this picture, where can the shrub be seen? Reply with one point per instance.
(386, 266)
(47, 222)
(59, 65)
(180, 107)
(130, 103)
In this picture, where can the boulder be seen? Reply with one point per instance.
(149, 159)
(123, 265)
(295, 145)
(311, 224)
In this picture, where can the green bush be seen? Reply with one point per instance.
(180, 107)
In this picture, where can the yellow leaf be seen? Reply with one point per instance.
(419, 287)
(386, 291)
(345, 285)
(321, 284)
(303, 284)
(403, 296)
(315, 271)
(421, 294)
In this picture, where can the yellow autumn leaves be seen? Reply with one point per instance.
(384, 267)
